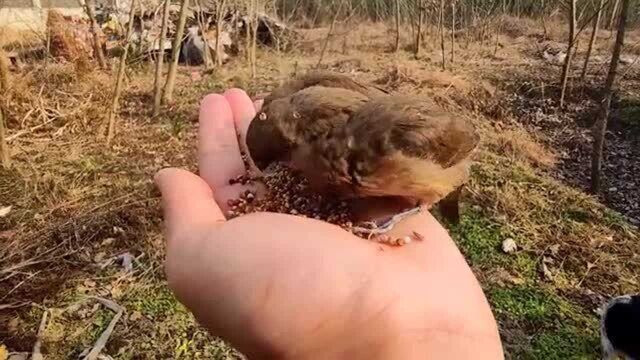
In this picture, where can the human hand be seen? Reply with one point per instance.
(281, 286)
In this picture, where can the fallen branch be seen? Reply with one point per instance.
(30, 130)
(36, 354)
(95, 351)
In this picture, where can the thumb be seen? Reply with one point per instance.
(188, 203)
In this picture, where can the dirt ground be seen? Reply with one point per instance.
(77, 204)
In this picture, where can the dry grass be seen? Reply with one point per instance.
(77, 202)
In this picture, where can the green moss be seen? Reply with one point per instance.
(567, 342)
(479, 238)
(523, 303)
(577, 214)
(156, 302)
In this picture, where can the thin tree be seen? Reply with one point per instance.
(330, 33)
(453, 29)
(219, 17)
(120, 77)
(441, 29)
(175, 53)
(592, 40)
(4, 86)
(89, 6)
(419, 31)
(614, 12)
(203, 24)
(157, 83)
(397, 45)
(600, 127)
(566, 68)
(254, 37)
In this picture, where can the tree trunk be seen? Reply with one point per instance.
(592, 40)
(248, 33)
(219, 18)
(5, 157)
(157, 83)
(175, 54)
(254, 38)
(419, 31)
(600, 127)
(97, 49)
(397, 45)
(614, 12)
(453, 29)
(566, 68)
(441, 26)
(120, 76)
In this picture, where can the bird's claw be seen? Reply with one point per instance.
(377, 230)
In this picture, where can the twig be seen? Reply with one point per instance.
(36, 354)
(104, 337)
(30, 130)
(13, 305)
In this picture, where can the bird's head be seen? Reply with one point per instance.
(266, 141)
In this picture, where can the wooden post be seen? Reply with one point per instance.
(600, 128)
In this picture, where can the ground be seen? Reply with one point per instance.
(77, 202)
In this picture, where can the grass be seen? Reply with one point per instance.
(76, 201)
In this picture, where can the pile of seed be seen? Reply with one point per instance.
(288, 192)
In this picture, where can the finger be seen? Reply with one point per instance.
(187, 202)
(243, 111)
(258, 104)
(218, 150)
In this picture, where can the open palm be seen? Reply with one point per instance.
(281, 286)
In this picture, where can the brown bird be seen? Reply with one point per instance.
(324, 79)
(358, 142)
(302, 111)
(402, 146)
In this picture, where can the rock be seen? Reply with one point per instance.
(108, 241)
(4, 211)
(509, 246)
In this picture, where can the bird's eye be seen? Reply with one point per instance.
(262, 116)
(296, 115)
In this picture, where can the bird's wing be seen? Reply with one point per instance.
(416, 127)
(325, 79)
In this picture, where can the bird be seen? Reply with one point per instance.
(405, 146)
(324, 79)
(302, 110)
(620, 327)
(354, 141)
